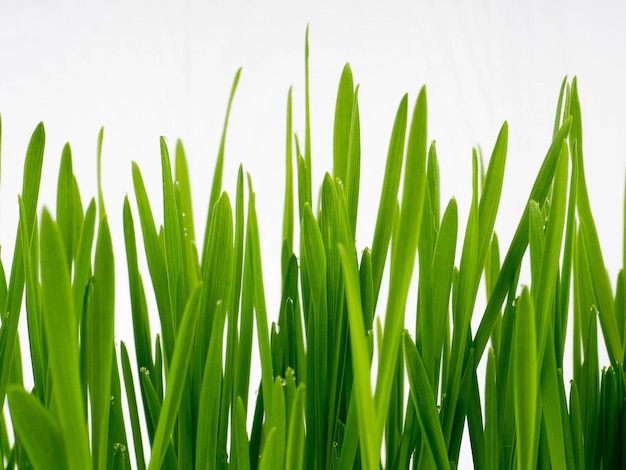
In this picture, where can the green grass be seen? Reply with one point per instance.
(183, 397)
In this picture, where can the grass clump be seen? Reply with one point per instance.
(187, 393)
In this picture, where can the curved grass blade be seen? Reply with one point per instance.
(360, 365)
(176, 380)
(525, 378)
(35, 427)
(61, 335)
(216, 186)
(425, 404)
(129, 386)
(403, 255)
(100, 331)
(184, 187)
(389, 196)
(12, 307)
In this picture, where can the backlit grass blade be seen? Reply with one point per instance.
(353, 175)
(182, 185)
(343, 118)
(82, 265)
(100, 331)
(30, 194)
(525, 378)
(37, 430)
(519, 243)
(314, 262)
(173, 246)
(403, 255)
(307, 187)
(156, 264)
(101, 210)
(600, 278)
(424, 401)
(65, 204)
(129, 387)
(30, 245)
(216, 186)
(294, 457)
(176, 381)
(240, 457)
(389, 196)
(362, 391)
(288, 223)
(139, 308)
(61, 335)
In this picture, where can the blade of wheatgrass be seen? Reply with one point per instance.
(240, 456)
(183, 185)
(65, 203)
(313, 261)
(139, 309)
(207, 452)
(156, 264)
(425, 404)
(288, 223)
(12, 307)
(82, 266)
(129, 387)
(442, 269)
(525, 378)
(389, 196)
(173, 246)
(294, 457)
(60, 330)
(353, 175)
(576, 424)
(519, 243)
(403, 256)
(101, 209)
(477, 239)
(307, 125)
(491, 414)
(176, 380)
(343, 119)
(600, 277)
(267, 373)
(100, 331)
(362, 391)
(38, 432)
(118, 451)
(273, 452)
(33, 304)
(216, 186)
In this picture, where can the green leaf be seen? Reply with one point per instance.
(61, 335)
(389, 196)
(129, 386)
(403, 255)
(100, 331)
(525, 378)
(360, 365)
(183, 186)
(13, 305)
(176, 380)
(37, 430)
(425, 404)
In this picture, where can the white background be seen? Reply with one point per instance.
(144, 69)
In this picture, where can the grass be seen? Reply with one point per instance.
(183, 398)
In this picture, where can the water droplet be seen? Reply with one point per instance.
(7, 315)
(112, 400)
(514, 303)
(144, 371)
(283, 382)
(335, 444)
(116, 446)
(184, 214)
(370, 332)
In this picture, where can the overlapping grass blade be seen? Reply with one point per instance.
(61, 334)
(39, 433)
(176, 380)
(11, 309)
